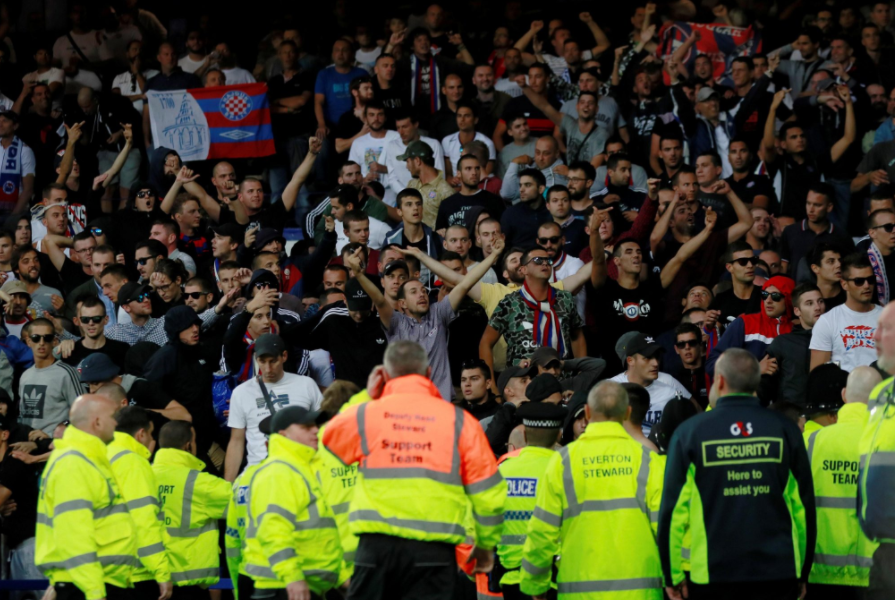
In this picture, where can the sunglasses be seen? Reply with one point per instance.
(142, 261)
(553, 239)
(141, 298)
(888, 227)
(688, 344)
(752, 260)
(860, 281)
(541, 260)
(194, 295)
(48, 338)
(96, 231)
(144, 194)
(96, 319)
(775, 296)
(260, 285)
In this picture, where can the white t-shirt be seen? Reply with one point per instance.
(248, 408)
(54, 75)
(453, 149)
(189, 65)
(82, 79)
(129, 86)
(378, 231)
(237, 75)
(848, 335)
(662, 390)
(27, 161)
(115, 44)
(89, 43)
(366, 150)
(366, 59)
(398, 175)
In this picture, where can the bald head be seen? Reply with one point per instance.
(608, 401)
(94, 414)
(517, 438)
(113, 392)
(860, 383)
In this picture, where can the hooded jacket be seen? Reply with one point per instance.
(755, 332)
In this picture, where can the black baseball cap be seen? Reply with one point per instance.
(291, 415)
(355, 296)
(130, 291)
(269, 344)
(511, 372)
(97, 367)
(266, 236)
(545, 355)
(643, 345)
(396, 264)
(542, 387)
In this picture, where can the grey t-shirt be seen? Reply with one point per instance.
(511, 151)
(608, 115)
(185, 258)
(582, 146)
(432, 334)
(47, 395)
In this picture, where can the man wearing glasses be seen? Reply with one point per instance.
(744, 297)
(880, 252)
(91, 319)
(147, 255)
(48, 389)
(845, 335)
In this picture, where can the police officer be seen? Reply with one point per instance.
(843, 554)
(593, 507)
(738, 478)
(823, 397)
(192, 502)
(85, 537)
(543, 425)
(129, 456)
(292, 544)
(876, 477)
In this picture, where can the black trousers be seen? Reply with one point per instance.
(882, 574)
(823, 591)
(393, 568)
(69, 591)
(787, 589)
(145, 590)
(189, 592)
(512, 592)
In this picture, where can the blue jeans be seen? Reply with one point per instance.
(21, 566)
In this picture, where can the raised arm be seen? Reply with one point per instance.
(184, 176)
(122, 156)
(543, 105)
(473, 276)
(290, 193)
(572, 283)
(523, 42)
(678, 55)
(768, 150)
(599, 271)
(671, 269)
(463, 54)
(68, 159)
(602, 42)
(52, 244)
(848, 136)
(744, 215)
(354, 262)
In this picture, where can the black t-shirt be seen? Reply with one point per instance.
(731, 306)
(348, 126)
(831, 303)
(114, 349)
(72, 275)
(272, 215)
(754, 185)
(421, 245)
(721, 205)
(795, 180)
(395, 100)
(616, 310)
(452, 210)
(292, 124)
(22, 480)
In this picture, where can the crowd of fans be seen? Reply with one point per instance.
(540, 202)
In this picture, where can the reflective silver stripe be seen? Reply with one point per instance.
(234, 552)
(150, 550)
(459, 416)
(361, 429)
(119, 559)
(831, 502)
(418, 524)
(316, 523)
(115, 509)
(488, 521)
(513, 540)
(833, 560)
(811, 444)
(44, 520)
(71, 563)
(259, 571)
(485, 484)
(186, 512)
(685, 553)
(329, 576)
(141, 502)
(568, 484)
(882, 459)
(340, 509)
(533, 570)
(71, 505)
(610, 585)
(411, 473)
(653, 516)
(191, 533)
(119, 455)
(276, 509)
(278, 557)
(547, 517)
(178, 577)
(642, 479)
(609, 504)
(314, 519)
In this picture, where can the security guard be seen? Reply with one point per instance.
(876, 476)
(235, 534)
(843, 554)
(85, 537)
(192, 502)
(543, 425)
(129, 456)
(823, 398)
(593, 507)
(292, 544)
(738, 477)
(423, 461)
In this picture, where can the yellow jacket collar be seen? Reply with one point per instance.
(177, 458)
(128, 442)
(854, 412)
(536, 451)
(605, 429)
(83, 442)
(282, 447)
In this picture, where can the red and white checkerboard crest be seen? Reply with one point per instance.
(235, 105)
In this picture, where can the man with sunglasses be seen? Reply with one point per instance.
(744, 296)
(690, 373)
(48, 389)
(845, 335)
(91, 318)
(791, 352)
(881, 252)
(798, 238)
(146, 256)
(551, 238)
